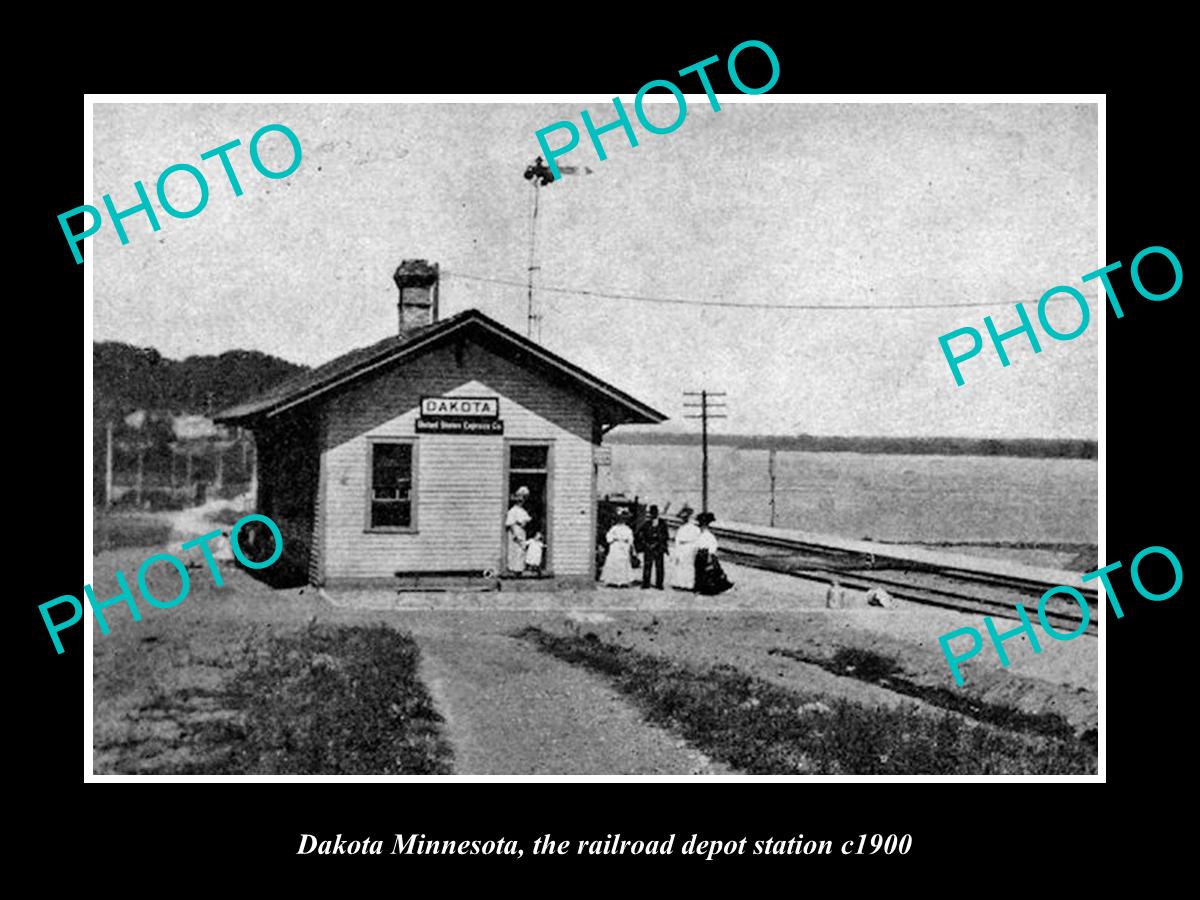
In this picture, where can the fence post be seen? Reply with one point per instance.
(141, 455)
(108, 466)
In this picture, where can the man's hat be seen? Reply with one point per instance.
(705, 518)
(686, 511)
(522, 491)
(653, 511)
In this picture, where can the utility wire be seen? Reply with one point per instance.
(722, 303)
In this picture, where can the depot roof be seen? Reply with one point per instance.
(365, 362)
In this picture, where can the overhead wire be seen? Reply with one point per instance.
(725, 304)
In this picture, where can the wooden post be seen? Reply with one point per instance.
(108, 467)
(704, 445)
(771, 473)
(220, 467)
(706, 407)
(253, 489)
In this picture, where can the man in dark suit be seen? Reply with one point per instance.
(653, 540)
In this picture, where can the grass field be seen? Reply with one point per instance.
(875, 668)
(113, 531)
(330, 700)
(761, 728)
(333, 700)
(248, 679)
(251, 679)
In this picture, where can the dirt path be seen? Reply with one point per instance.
(512, 710)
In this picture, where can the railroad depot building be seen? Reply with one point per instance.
(402, 458)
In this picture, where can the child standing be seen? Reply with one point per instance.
(535, 554)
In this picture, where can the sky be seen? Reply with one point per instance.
(759, 203)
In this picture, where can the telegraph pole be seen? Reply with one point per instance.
(705, 406)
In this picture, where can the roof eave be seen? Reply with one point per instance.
(641, 413)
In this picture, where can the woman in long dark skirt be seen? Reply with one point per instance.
(710, 577)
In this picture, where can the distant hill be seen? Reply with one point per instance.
(127, 378)
(1038, 448)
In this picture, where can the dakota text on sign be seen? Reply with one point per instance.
(460, 407)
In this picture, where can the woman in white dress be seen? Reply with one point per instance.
(617, 571)
(683, 560)
(518, 518)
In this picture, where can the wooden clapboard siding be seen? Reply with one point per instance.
(461, 497)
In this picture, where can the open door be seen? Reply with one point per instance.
(528, 466)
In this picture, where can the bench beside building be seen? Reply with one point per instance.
(364, 486)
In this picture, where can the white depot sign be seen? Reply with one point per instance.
(460, 407)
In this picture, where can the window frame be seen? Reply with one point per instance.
(411, 527)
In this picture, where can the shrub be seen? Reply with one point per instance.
(337, 701)
(873, 668)
(113, 531)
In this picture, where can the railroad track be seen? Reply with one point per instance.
(949, 587)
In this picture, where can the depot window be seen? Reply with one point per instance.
(392, 487)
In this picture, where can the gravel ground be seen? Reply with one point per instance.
(767, 611)
(913, 629)
(511, 709)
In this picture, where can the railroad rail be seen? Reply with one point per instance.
(951, 581)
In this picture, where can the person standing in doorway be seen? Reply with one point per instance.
(518, 518)
(653, 540)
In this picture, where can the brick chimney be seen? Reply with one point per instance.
(418, 284)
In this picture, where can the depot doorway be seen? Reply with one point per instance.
(527, 464)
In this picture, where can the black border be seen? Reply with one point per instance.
(967, 833)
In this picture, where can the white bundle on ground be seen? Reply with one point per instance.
(220, 548)
(879, 597)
